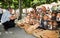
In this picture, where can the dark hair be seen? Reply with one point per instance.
(9, 8)
(55, 14)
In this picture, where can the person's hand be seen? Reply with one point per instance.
(12, 17)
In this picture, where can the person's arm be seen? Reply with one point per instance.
(12, 17)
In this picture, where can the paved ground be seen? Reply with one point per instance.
(17, 33)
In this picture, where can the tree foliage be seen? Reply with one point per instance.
(25, 3)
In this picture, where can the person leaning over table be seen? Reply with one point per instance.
(8, 19)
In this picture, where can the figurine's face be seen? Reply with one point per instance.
(58, 15)
(50, 23)
(54, 23)
(45, 17)
(53, 14)
(28, 16)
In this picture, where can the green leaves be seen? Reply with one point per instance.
(25, 3)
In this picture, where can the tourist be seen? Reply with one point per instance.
(8, 19)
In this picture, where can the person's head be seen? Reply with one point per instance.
(10, 10)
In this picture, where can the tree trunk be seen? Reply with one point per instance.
(20, 9)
